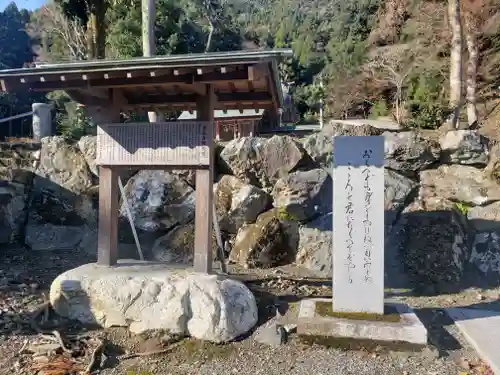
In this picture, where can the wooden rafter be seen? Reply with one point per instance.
(65, 82)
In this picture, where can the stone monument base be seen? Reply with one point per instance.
(151, 295)
(402, 326)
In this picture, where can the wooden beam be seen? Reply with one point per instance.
(107, 239)
(272, 88)
(117, 98)
(244, 97)
(235, 97)
(256, 72)
(108, 83)
(214, 77)
(54, 82)
(163, 99)
(204, 190)
(89, 99)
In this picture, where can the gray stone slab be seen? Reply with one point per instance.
(409, 329)
(358, 224)
(481, 328)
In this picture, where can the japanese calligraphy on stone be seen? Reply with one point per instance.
(367, 223)
(358, 224)
(349, 211)
(174, 143)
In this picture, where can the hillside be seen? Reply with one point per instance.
(371, 54)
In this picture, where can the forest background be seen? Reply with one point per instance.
(421, 63)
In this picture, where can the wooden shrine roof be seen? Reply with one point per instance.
(241, 79)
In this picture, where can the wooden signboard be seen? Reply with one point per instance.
(160, 144)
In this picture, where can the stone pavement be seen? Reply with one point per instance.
(481, 328)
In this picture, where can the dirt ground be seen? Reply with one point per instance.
(27, 345)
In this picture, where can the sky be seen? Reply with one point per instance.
(27, 4)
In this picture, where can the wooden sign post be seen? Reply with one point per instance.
(174, 145)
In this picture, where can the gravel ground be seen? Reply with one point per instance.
(25, 277)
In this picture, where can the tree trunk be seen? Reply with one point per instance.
(100, 29)
(471, 40)
(455, 62)
(148, 24)
(90, 39)
(399, 95)
(148, 40)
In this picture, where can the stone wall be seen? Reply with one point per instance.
(273, 199)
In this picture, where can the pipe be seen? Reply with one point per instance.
(16, 116)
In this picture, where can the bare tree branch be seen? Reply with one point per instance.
(51, 22)
(393, 65)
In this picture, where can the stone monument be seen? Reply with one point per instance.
(358, 309)
(358, 224)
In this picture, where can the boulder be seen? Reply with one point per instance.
(271, 241)
(432, 238)
(238, 203)
(159, 200)
(485, 254)
(304, 195)
(13, 198)
(62, 164)
(459, 183)
(319, 147)
(464, 147)
(341, 128)
(146, 296)
(492, 170)
(18, 161)
(397, 190)
(88, 147)
(177, 246)
(316, 246)
(55, 237)
(61, 205)
(485, 218)
(261, 162)
(408, 152)
(188, 175)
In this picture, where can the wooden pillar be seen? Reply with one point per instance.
(204, 190)
(107, 237)
(107, 242)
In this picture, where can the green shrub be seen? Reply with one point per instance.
(379, 109)
(424, 115)
(75, 126)
(425, 100)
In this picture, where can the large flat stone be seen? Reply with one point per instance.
(145, 296)
(408, 329)
(481, 329)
